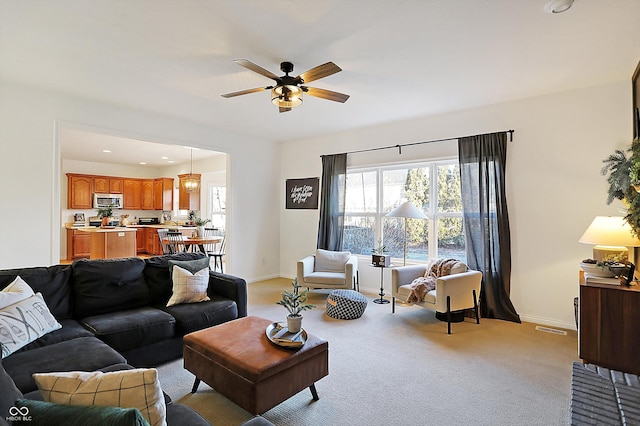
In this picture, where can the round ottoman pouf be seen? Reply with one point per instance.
(346, 304)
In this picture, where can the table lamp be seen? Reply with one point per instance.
(612, 236)
(407, 211)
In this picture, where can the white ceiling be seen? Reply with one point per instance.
(400, 58)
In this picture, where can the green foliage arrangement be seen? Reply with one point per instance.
(295, 301)
(624, 182)
(197, 221)
(105, 212)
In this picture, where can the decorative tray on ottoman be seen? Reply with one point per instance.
(279, 335)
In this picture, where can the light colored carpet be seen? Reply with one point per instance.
(404, 369)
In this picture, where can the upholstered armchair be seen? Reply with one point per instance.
(328, 269)
(454, 292)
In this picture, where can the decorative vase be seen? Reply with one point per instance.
(200, 231)
(294, 323)
(105, 220)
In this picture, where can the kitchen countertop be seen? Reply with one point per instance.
(162, 226)
(108, 229)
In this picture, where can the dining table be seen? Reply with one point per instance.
(190, 243)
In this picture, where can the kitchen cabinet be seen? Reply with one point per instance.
(107, 185)
(163, 194)
(78, 244)
(80, 191)
(116, 186)
(111, 243)
(141, 240)
(608, 332)
(146, 201)
(132, 191)
(188, 200)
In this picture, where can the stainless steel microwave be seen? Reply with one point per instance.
(107, 200)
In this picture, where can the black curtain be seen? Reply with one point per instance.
(332, 193)
(486, 220)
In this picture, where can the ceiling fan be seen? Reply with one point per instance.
(287, 93)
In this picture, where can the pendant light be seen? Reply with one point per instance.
(191, 183)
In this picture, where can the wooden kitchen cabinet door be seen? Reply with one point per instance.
(147, 194)
(79, 191)
(132, 194)
(101, 185)
(163, 194)
(116, 186)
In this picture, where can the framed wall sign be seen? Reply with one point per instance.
(302, 193)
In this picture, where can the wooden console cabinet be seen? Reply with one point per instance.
(609, 330)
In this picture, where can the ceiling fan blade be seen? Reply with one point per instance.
(319, 72)
(283, 109)
(326, 94)
(245, 92)
(256, 68)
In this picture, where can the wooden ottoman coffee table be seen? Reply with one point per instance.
(238, 360)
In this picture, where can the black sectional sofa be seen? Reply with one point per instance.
(113, 315)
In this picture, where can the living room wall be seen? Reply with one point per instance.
(30, 170)
(554, 186)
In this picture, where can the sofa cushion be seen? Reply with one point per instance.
(158, 276)
(108, 285)
(326, 278)
(71, 329)
(53, 282)
(193, 317)
(8, 393)
(15, 292)
(188, 287)
(131, 328)
(331, 261)
(136, 388)
(41, 413)
(83, 353)
(192, 266)
(24, 322)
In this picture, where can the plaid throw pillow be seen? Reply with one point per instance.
(188, 287)
(137, 388)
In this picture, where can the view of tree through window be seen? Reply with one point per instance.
(434, 188)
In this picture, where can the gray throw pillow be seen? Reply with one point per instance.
(192, 266)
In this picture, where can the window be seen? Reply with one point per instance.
(432, 187)
(218, 206)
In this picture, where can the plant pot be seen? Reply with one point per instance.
(105, 221)
(294, 324)
(200, 231)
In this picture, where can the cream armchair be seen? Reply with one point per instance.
(328, 269)
(454, 292)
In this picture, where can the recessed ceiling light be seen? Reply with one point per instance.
(558, 6)
(164, 158)
(106, 150)
(143, 163)
(171, 161)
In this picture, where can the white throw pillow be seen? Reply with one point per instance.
(13, 293)
(188, 287)
(331, 261)
(24, 322)
(138, 388)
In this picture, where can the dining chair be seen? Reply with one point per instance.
(176, 241)
(216, 251)
(162, 235)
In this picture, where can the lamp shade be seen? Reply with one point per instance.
(610, 231)
(407, 210)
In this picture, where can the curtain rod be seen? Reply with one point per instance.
(399, 146)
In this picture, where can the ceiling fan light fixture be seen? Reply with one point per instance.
(287, 96)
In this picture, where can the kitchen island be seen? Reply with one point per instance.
(108, 243)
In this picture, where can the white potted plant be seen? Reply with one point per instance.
(295, 302)
(378, 258)
(199, 223)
